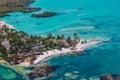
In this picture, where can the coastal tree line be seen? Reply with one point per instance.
(24, 46)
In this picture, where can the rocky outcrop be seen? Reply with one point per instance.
(7, 6)
(110, 77)
(44, 14)
(42, 71)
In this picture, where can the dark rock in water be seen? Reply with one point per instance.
(110, 77)
(42, 71)
(96, 27)
(106, 77)
(116, 76)
(83, 32)
(16, 21)
(80, 8)
(44, 14)
(38, 23)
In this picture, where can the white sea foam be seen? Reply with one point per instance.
(78, 28)
(82, 14)
(69, 10)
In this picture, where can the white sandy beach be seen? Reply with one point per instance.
(3, 23)
(79, 48)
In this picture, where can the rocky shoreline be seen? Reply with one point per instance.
(44, 14)
(42, 71)
(110, 77)
(15, 6)
(22, 6)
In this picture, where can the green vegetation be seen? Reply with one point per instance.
(2, 14)
(44, 14)
(15, 2)
(18, 46)
(4, 56)
(7, 6)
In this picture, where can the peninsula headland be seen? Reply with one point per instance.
(7, 6)
(18, 48)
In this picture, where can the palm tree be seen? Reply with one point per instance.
(69, 40)
(58, 37)
(49, 35)
(62, 36)
(75, 36)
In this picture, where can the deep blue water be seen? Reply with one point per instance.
(98, 19)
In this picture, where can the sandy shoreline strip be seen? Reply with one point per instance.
(49, 54)
(79, 48)
(3, 23)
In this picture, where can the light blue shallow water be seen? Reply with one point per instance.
(98, 19)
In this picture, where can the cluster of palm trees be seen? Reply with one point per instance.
(29, 45)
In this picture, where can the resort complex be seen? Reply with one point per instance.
(59, 40)
(17, 47)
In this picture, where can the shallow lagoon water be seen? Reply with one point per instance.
(98, 19)
(9, 74)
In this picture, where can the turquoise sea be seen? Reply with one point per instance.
(98, 19)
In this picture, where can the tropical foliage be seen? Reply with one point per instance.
(25, 47)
